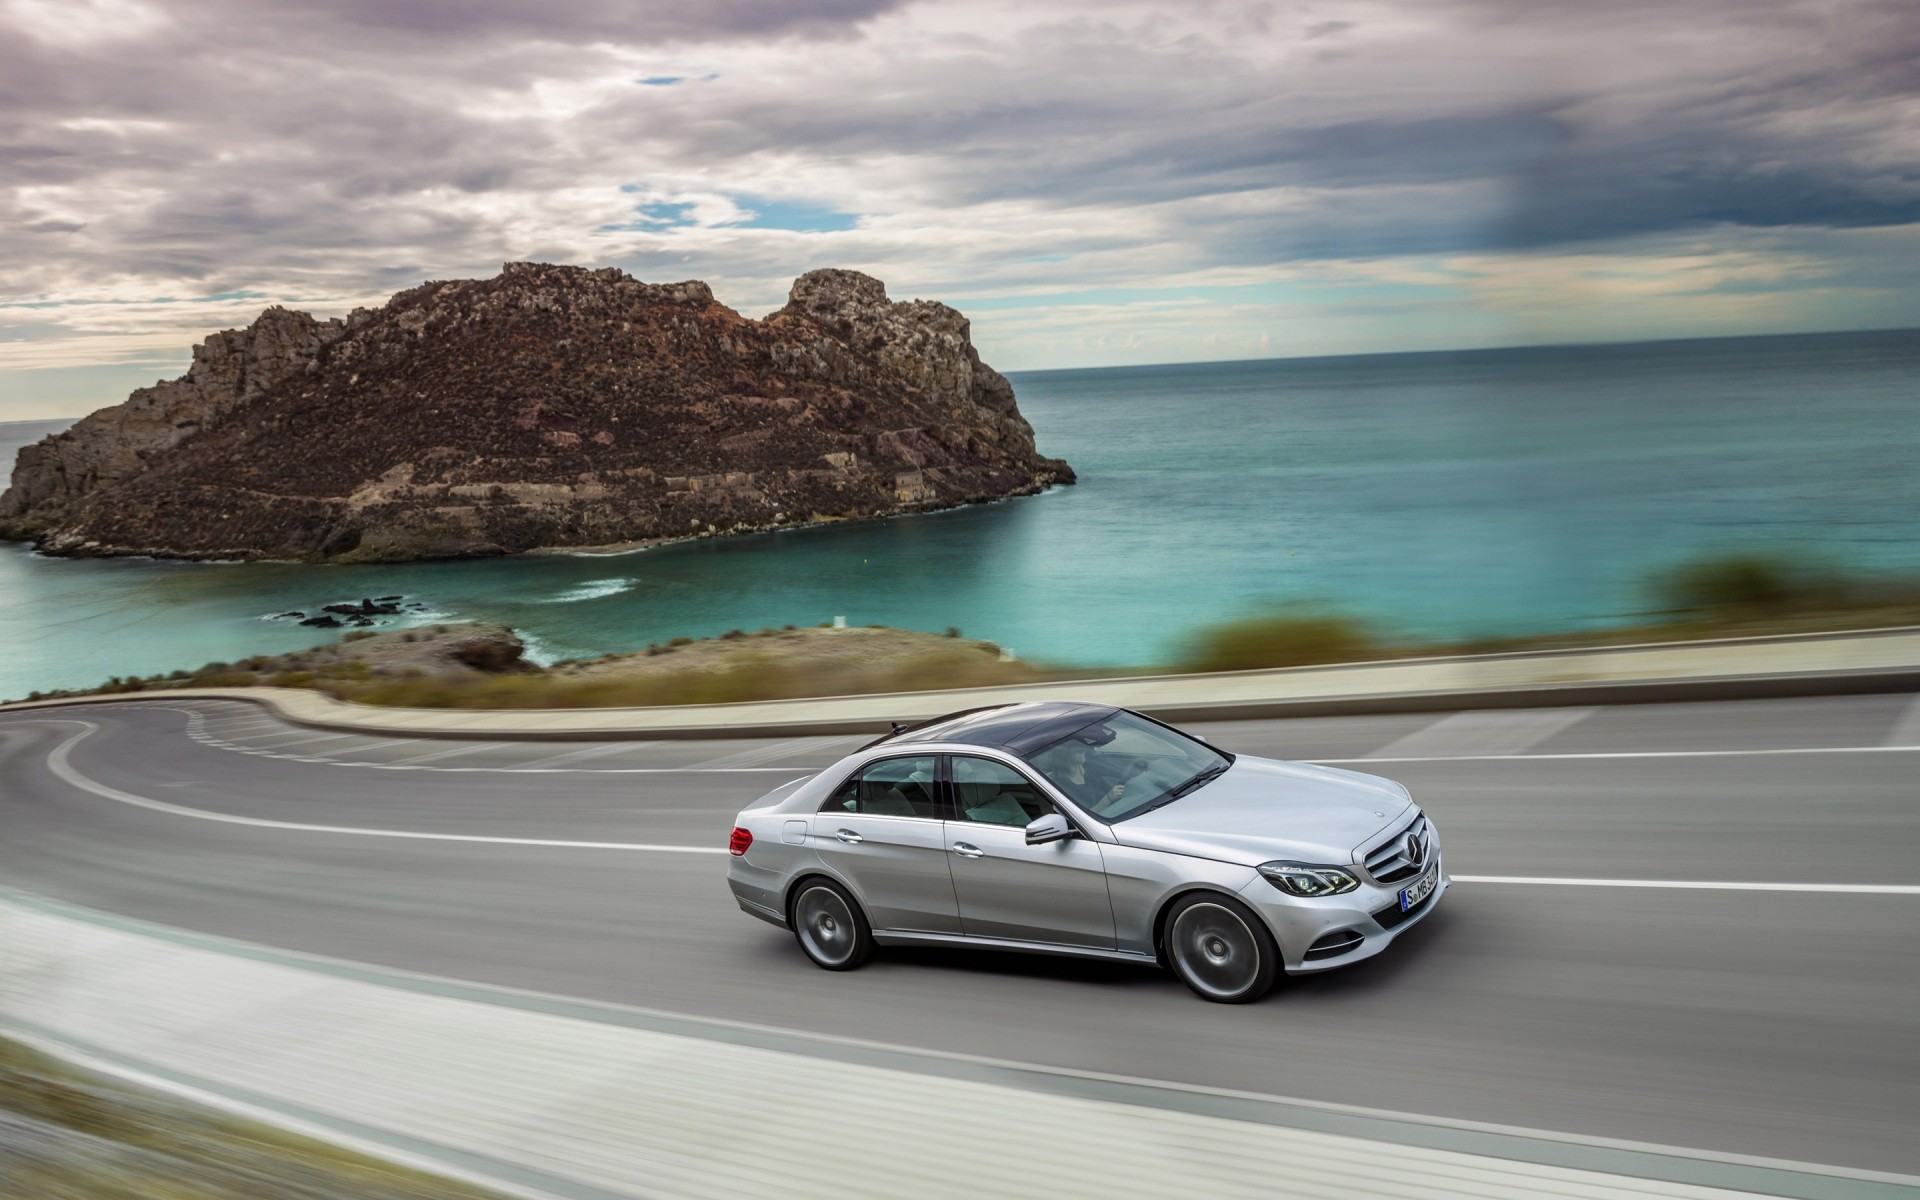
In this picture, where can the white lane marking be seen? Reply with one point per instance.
(433, 755)
(243, 720)
(1906, 731)
(328, 737)
(1509, 731)
(1773, 750)
(196, 729)
(58, 763)
(248, 729)
(784, 748)
(360, 749)
(1865, 889)
(579, 756)
(380, 766)
(196, 715)
(274, 743)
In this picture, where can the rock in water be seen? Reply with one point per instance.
(549, 406)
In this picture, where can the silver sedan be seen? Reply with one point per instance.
(1083, 829)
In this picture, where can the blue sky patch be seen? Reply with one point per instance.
(760, 212)
(802, 216)
(655, 215)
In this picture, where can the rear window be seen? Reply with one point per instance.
(891, 787)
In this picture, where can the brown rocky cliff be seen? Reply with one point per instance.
(548, 406)
(113, 445)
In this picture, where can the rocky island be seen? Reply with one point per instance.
(547, 407)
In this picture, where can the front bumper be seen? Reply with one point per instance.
(1339, 930)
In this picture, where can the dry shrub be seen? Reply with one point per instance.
(1288, 639)
(1739, 585)
(747, 676)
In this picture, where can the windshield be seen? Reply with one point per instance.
(1123, 765)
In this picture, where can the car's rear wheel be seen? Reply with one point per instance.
(830, 927)
(1220, 949)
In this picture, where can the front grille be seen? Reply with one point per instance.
(1391, 915)
(1389, 861)
(1334, 944)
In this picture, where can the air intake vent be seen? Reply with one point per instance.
(1334, 944)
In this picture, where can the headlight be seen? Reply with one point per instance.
(1305, 879)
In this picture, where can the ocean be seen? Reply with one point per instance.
(1453, 494)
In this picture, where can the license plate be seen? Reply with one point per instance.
(1420, 889)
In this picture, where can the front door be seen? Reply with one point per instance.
(1055, 893)
(882, 831)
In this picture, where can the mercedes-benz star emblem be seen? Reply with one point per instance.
(1415, 851)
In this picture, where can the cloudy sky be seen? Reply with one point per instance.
(1098, 182)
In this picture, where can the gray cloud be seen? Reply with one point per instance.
(340, 149)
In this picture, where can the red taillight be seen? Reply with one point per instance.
(738, 843)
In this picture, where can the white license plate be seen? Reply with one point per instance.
(1420, 889)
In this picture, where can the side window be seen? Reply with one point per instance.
(992, 793)
(892, 787)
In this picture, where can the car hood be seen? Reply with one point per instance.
(1261, 810)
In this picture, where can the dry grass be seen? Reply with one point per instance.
(67, 1134)
(1286, 639)
(769, 665)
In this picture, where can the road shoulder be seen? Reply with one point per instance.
(573, 1098)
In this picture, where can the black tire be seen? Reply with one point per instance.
(828, 924)
(1220, 949)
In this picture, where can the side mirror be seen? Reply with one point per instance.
(1051, 828)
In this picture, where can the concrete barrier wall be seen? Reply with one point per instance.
(1739, 668)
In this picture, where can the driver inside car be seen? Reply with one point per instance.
(1092, 782)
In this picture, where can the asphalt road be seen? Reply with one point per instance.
(1777, 1023)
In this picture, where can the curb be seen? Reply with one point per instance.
(1640, 691)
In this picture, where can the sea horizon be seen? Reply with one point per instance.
(1014, 372)
(1437, 495)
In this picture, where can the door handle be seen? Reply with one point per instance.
(848, 835)
(968, 850)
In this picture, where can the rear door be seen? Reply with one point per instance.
(882, 830)
(1056, 893)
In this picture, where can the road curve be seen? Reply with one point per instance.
(1774, 1019)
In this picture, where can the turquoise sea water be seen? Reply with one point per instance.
(1504, 491)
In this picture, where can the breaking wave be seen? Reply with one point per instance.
(591, 591)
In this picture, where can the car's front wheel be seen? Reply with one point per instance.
(830, 926)
(1220, 949)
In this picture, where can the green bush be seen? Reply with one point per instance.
(1737, 585)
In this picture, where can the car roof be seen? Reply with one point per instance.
(1019, 728)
